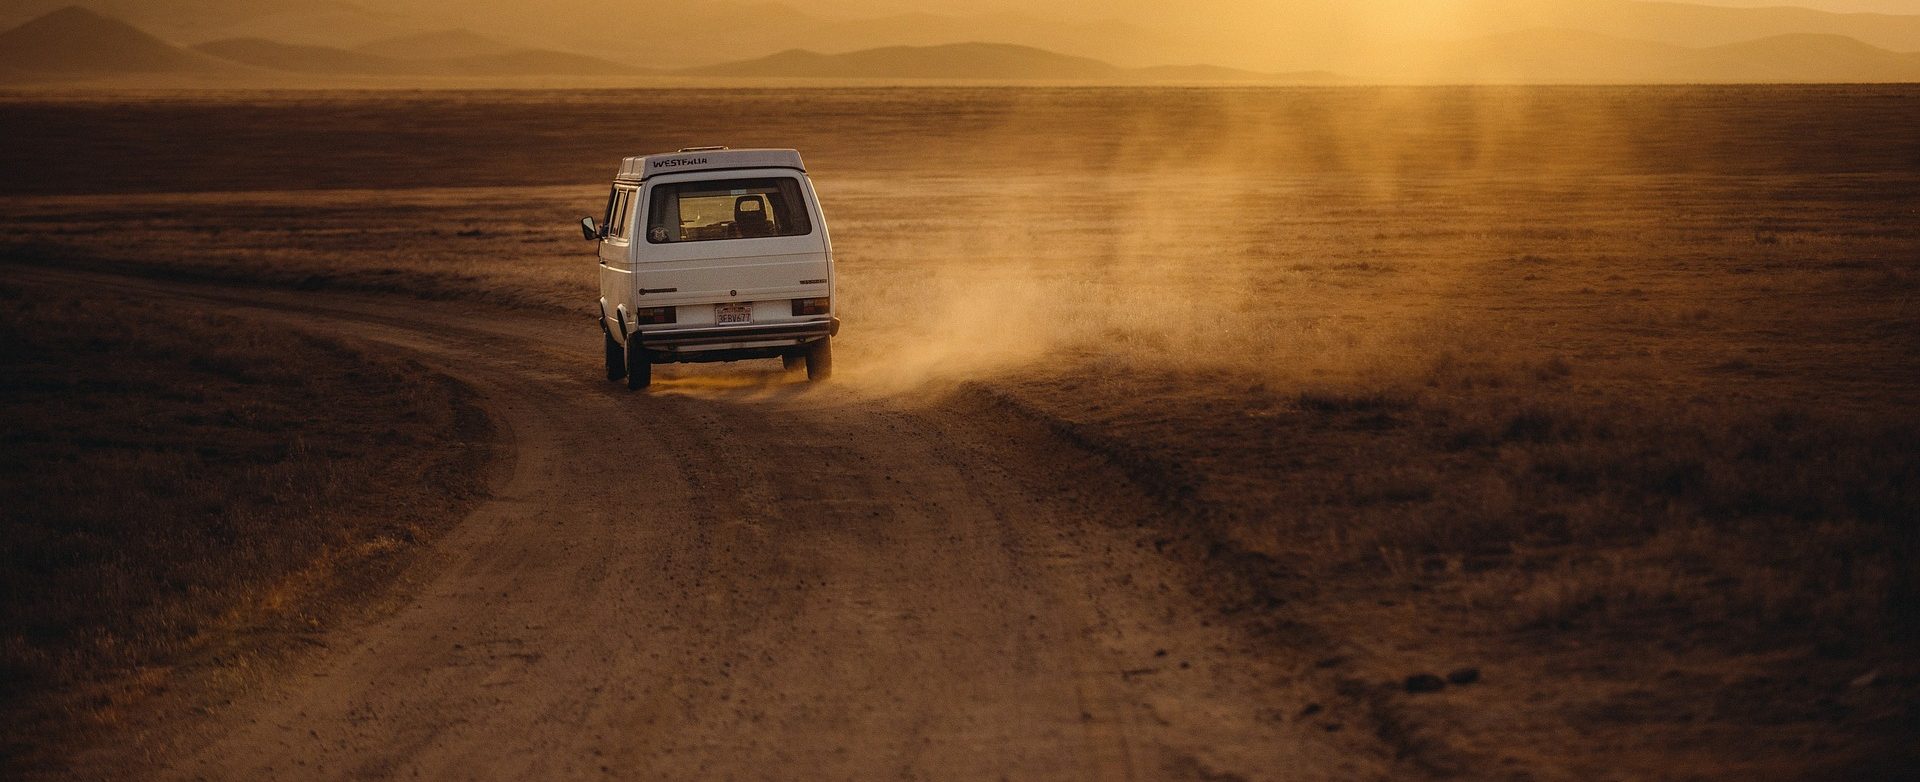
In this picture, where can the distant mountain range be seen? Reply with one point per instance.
(185, 22)
(1681, 23)
(293, 58)
(1574, 56)
(74, 42)
(77, 43)
(454, 43)
(981, 61)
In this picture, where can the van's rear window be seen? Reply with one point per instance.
(727, 209)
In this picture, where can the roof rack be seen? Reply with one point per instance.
(708, 159)
(700, 149)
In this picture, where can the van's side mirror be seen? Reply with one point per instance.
(588, 229)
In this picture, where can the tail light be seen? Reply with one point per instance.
(816, 306)
(646, 316)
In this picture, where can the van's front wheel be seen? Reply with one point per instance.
(820, 360)
(639, 366)
(616, 358)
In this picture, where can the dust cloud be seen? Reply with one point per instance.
(1246, 232)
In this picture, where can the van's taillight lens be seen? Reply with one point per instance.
(817, 306)
(653, 315)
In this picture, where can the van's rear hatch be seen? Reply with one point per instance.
(731, 278)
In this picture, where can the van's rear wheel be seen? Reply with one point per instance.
(792, 362)
(639, 366)
(820, 360)
(616, 358)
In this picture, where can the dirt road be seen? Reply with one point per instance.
(740, 575)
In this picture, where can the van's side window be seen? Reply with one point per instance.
(620, 213)
(613, 207)
(727, 209)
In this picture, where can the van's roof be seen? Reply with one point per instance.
(708, 159)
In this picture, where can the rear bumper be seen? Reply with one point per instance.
(798, 331)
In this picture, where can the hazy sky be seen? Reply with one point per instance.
(1843, 6)
(1274, 35)
(1367, 37)
(1125, 8)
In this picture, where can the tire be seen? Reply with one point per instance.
(616, 358)
(792, 362)
(820, 360)
(639, 366)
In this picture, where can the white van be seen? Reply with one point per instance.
(714, 254)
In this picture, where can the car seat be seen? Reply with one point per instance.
(750, 216)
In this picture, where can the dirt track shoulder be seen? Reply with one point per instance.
(194, 494)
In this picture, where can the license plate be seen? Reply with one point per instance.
(732, 314)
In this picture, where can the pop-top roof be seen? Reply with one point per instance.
(708, 159)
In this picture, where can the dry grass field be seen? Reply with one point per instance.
(191, 488)
(1612, 394)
